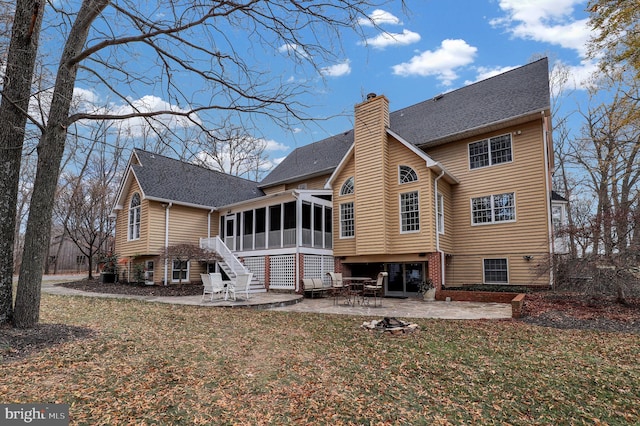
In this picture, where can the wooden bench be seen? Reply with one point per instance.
(313, 286)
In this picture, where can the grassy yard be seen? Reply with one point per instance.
(162, 364)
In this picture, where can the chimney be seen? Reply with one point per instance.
(371, 153)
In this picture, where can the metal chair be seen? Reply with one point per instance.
(375, 289)
(337, 288)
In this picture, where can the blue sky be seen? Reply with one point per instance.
(440, 46)
(411, 55)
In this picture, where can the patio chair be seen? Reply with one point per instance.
(212, 285)
(312, 285)
(239, 285)
(374, 289)
(217, 283)
(337, 288)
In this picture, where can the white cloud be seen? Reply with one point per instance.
(392, 39)
(293, 49)
(548, 21)
(580, 76)
(379, 17)
(337, 70)
(138, 126)
(441, 63)
(271, 145)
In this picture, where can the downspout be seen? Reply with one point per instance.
(166, 240)
(209, 224)
(298, 236)
(435, 196)
(545, 136)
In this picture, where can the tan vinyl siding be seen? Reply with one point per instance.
(446, 239)
(464, 270)
(317, 182)
(414, 241)
(371, 192)
(187, 225)
(157, 232)
(525, 177)
(343, 246)
(123, 246)
(274, 189)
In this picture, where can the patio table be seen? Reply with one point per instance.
(355, 287)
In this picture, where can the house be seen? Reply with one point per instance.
(456, 188)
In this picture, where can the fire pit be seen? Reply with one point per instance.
(390, 325)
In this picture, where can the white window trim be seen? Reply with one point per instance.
(340, 222)
(488, 141)
(493, 222)
(440, 214)
(400, 175)
(400, 211)
(186, 280)
(131, 230)
(484, 281)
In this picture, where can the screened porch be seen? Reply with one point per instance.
(292, 219)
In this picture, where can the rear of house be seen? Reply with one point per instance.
(455, 189)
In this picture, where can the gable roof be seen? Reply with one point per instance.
(166, 179)
(515, 94)
(319, 158)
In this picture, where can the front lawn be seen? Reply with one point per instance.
(162, 364)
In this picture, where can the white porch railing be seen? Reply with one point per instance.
(216, 245)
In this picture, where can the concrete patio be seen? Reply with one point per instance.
(391, 307)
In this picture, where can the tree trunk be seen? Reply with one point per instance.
(50, 151)
(13, 119)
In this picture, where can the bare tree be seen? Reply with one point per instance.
(190, 44)
(182, 254)
(84, 203)
(232, 150)
(16, 90)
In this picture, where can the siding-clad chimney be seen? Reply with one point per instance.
(371, 154)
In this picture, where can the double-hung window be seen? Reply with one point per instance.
(179, 270)
(347, 220)
(134, 217)
(489, 152)
(493, 209)
(409, 212)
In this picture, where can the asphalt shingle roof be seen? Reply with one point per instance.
(318, 157)
(515, 93)
(169, 179)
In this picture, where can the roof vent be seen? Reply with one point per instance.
(438, 97)
(371, 95)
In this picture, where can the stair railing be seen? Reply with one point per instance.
(227, 255)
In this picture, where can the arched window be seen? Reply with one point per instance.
(347, 187)
(134, 217)
(406, 174)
